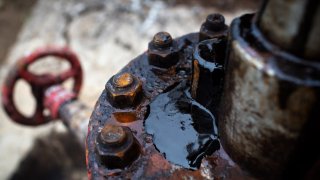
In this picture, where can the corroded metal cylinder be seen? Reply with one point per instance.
(270, 104)
(293, 25)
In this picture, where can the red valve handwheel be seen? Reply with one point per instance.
(39, 83)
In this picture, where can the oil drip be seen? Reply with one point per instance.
(183, 130)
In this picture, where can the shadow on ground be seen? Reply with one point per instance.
(54, 156)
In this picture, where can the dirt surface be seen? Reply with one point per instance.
(106, 35)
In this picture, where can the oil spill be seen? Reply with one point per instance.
(182, 129)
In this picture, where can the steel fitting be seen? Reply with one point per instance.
(116, 146)
(123, 90)
(163, 50)
(213, 27)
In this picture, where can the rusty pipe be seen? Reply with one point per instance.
(292, 25)
(272, 93)
(73, 113)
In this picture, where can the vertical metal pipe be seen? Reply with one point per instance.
(272, 90)
(292, 25)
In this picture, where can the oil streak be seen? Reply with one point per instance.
(183, 130)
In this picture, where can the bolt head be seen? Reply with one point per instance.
(123, 90)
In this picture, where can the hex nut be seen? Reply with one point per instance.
(163, 51)
(123, 90)
(117, 155)
(213, 27)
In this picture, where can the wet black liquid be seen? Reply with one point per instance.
(183, 130)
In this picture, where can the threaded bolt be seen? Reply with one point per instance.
(122, 80)
(112, 135)
(123, 90)
(162, 40)
(215, 22)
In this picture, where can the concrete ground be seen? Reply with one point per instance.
(106, 35)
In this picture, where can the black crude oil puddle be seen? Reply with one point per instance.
(184, 138)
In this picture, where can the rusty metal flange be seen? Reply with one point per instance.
(151, 164)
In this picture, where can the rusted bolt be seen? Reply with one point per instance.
(116, 146)
(163, 50)
(215, 22)
(123, 90)
(123, 80)
(112, 135)
(213, 27)
(162, 40)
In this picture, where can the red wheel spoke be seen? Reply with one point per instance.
(38, 114)
(65, 75)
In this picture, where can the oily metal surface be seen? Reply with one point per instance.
(270, 106)
(151, 164)
(183, 130)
